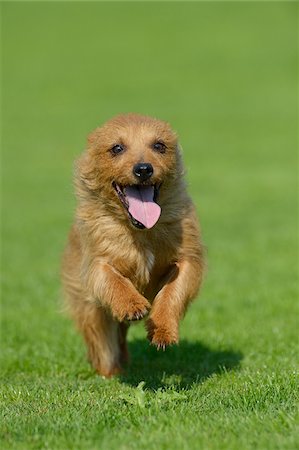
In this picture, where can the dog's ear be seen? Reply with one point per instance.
(87, 171)
(93, 138)
(87, 166)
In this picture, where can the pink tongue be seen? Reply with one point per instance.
(142, 206)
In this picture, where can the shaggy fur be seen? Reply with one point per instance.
(113, 272)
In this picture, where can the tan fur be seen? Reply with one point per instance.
(113, 272)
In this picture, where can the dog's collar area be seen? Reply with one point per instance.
(147, 197)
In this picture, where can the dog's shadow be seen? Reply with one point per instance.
(182, 365)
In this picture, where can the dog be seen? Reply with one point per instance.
(134, 249)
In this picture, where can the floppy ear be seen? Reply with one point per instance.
(181, 171)
(87, 170)
(87, 166)
(93, 138)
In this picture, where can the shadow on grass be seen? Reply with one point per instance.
(182, 365)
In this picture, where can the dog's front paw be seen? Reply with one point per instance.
(132, 309)
(137, 311)
(161, 335)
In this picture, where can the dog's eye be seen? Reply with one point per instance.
(117, 149)
(159, 147)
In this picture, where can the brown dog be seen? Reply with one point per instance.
(135, 246)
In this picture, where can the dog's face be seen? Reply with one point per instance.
(129, 160)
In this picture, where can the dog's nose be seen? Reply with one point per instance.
(143, 171)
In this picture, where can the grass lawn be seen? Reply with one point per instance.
(224, 75)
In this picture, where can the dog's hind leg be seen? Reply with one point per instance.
(101, 334)
(124, 353)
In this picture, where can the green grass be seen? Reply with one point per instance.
(224, 75)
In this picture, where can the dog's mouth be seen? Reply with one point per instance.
(140, 202)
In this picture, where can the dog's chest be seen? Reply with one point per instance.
(149, 259)
(143, 261)
(137, 264)
(142, 266)
(148, 266)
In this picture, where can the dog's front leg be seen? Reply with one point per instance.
(116, 293)
(171, 302)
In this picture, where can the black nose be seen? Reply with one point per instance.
(143, 171)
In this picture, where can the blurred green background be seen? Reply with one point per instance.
(225, 76)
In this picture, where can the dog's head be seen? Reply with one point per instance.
(130, 160)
